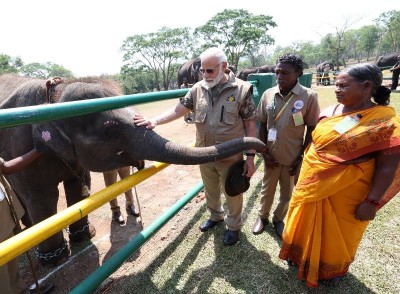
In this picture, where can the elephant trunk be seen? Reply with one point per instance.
(162, 150)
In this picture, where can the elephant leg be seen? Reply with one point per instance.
(54, 250)
(76, 189)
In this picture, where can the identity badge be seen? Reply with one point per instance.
(298, 118)
(346, 124)
(272, 134)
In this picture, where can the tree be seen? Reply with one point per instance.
(56, 70)
(237, 32)
(158, 52)
(45, 70)
(351, 44)
(389, 23)
(137, 80)
(306, 50)
(257, 55)
(9, 64)
(369, 37)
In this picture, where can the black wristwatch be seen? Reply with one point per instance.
(250, 154)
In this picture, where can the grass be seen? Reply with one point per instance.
(196, 262)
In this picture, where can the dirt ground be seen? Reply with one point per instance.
(155, 196)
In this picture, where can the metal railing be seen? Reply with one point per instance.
(10, 117)
(90, 284)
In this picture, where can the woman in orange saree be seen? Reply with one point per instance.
(349, 171)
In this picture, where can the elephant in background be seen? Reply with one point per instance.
(323, 70)
(189, 71)
(244, 73)
(189, 74)
(387, 61)
(73, 147)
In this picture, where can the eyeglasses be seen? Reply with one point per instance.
(209, 70)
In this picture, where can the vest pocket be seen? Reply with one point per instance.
(229, 114)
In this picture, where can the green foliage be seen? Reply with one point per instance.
(389, 23)
(158, 52)
(307, 50)
(9, 64)
(369, 37)
(56, 70)
(45, 71)
(136, 80)
(238, 32)
(352, 45)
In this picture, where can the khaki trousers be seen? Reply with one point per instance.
(273, 176)
(10, 279)
(110, 177)
(213, 175)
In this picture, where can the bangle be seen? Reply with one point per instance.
(373, 202)
(250, 154)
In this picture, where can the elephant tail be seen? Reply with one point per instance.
(179, 154)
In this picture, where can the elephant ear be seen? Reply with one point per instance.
(49, 138)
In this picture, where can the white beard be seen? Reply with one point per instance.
(212, 83)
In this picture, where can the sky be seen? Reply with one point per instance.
(85, 36)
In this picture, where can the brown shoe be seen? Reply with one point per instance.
(259, 225)
(131, 209)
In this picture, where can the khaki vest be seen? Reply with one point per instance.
(219, 121)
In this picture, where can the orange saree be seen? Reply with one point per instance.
(321, 233)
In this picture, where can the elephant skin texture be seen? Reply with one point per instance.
(75, 146)
(189, 71)
(244, 73)
(387, 60)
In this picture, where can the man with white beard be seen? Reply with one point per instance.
(223, 109)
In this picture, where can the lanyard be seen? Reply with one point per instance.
(282, 109)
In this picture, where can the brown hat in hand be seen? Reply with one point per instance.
(236, 183)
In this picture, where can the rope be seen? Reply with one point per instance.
(50, 85)
(140, 211)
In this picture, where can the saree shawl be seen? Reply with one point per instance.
(321, 234)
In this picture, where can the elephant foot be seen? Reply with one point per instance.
(87, 232)
(54, 257)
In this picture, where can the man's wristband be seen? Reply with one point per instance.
(250, 154)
